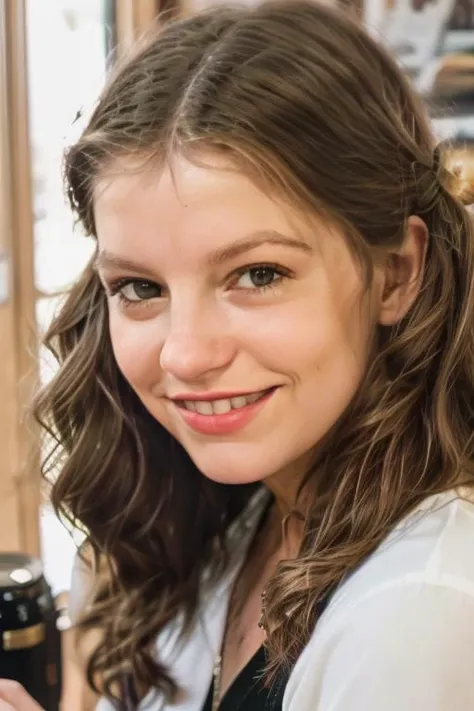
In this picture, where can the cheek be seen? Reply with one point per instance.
(322, 350)
(334, 366)
(136, 349)
(313, 339)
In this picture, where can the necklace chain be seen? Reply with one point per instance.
(217, 673)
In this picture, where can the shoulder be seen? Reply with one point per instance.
(407, 647)
(400, 632)
(433, 544)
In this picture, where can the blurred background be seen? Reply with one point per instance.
(54, 58)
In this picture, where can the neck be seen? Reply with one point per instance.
(285, 485)
(288, 513)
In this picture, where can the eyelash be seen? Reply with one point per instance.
(116, 287)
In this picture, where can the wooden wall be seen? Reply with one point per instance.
(19, 472)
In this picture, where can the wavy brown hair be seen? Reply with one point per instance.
(303, 99)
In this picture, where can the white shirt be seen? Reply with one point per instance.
(398, 635)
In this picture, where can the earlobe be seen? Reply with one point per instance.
(403, 273)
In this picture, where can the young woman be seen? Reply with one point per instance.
(264, 409)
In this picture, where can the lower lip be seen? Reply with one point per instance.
(227, 423)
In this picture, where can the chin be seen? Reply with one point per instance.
(232, 469)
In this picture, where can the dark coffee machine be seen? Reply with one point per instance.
(30, 645)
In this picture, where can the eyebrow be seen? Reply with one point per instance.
(224, 254)
(109, 260)
(257, 239)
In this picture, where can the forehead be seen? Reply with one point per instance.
(187, 197)
(179, 182)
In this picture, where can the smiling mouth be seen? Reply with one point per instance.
(224, 405)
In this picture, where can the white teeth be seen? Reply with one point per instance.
(239, 401)
(220, 407)
(204, 407)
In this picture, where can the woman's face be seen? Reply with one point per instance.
(242, 325)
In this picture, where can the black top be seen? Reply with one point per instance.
(247, 692)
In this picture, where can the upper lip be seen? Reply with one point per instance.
(227, 395)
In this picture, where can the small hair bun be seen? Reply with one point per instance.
(456, 174)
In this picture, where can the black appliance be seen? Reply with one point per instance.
(30, 643)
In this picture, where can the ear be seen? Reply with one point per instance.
(402, 273)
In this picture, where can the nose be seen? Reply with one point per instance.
(195, 352)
